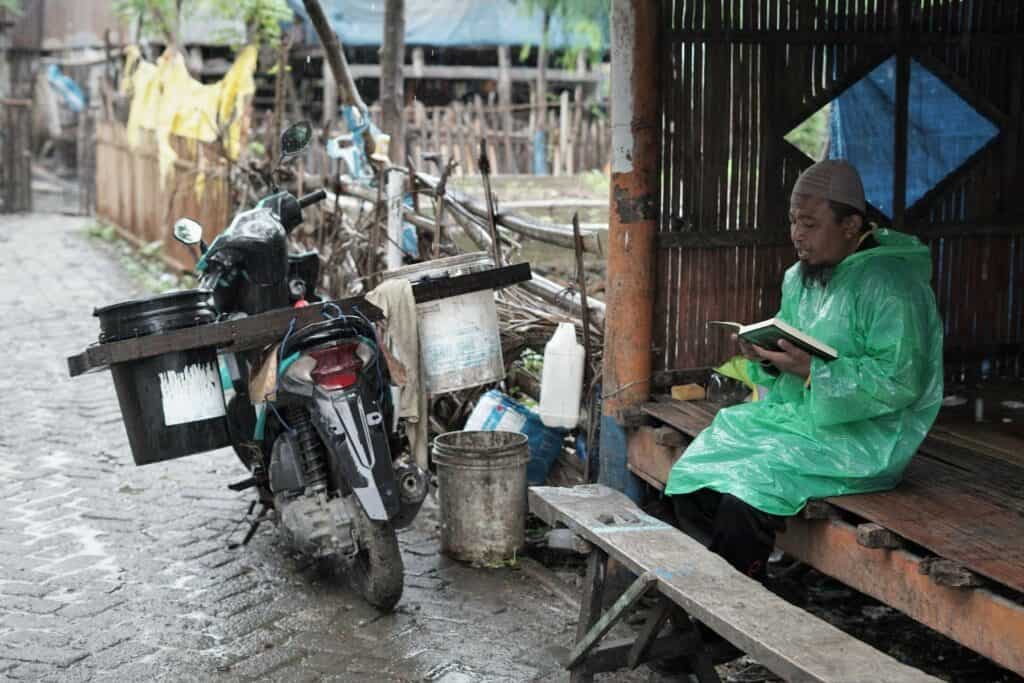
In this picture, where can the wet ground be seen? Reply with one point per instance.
(114, 572)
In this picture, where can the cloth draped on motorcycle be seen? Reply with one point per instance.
(854, 428)
(402, 344)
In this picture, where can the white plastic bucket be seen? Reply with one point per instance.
(460, 345)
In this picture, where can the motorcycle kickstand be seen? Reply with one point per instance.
(254, 522)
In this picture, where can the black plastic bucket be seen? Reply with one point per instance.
(172, 405)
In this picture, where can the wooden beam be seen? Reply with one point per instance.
(494, 278)
(871, 535)
(921, 208)
(612, 655)
(520, 74)
(591, 603)
(257, 330)
(949, 573)
(812, 37)
(793, 643)
(638, 589)
(826, 95)
(902, 126)
(977, 618)
(722, 238)
(237, 335)
(651, 628)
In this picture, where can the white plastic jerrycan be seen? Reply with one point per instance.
(562, 380)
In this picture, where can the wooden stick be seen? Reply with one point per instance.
(543, 232)
(581, 282)
(439, 194)
(485, 173)
(334, 55)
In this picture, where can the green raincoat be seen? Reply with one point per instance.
(855, 428)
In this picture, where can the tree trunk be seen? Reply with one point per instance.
(392, 81)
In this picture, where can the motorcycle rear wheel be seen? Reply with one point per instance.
(377, 571)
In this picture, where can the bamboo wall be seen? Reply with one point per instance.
(737, 76)
(131, 195)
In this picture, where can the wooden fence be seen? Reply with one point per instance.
(578, 139)
(16, 156)
(131, 195)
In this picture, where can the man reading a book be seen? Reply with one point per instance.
(827, 427)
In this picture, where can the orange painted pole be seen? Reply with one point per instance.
(633, 224)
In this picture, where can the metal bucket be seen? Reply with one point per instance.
(460, 344)
(481, 480)
(172, 404)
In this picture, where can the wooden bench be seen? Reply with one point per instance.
(946, 547)
(791, 642)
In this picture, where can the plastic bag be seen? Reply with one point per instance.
(497, 412)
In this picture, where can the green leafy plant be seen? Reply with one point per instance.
(585, 20)
(161, 19)
(12, 6)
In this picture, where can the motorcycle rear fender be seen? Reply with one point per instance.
(353, 430)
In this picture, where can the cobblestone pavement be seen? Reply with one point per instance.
(113, 572)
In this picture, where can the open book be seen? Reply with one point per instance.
(767, 334)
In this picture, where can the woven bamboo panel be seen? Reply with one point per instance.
(737, 76)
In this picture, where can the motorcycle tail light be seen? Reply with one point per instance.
(337, 367)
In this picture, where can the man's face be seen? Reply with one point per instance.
(819, 240)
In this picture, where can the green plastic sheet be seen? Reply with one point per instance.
(855, 428)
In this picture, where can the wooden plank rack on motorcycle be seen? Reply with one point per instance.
(301, 388)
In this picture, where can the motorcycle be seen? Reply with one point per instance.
(318, 436)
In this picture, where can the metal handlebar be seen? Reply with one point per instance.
(312, 198)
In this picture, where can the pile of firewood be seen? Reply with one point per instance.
(352, 239)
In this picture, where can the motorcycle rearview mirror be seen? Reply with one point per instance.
(296, 138)
(189, 233)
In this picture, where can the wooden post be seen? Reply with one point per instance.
(899, 192)
(417, 62)
(539, 137)
(564, 121)
(577, 151)
(392, 80)
(396, 193)
(633, 222)
(505, 104)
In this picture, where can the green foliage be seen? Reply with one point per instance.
(12, 6)
(143, 264)
(811, 136)
(156, 19)
(262, 18)
(584, 19)
(160, 19)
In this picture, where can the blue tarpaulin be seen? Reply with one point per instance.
(944, 131)
(442, 23)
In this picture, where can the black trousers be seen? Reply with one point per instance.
(740, 533)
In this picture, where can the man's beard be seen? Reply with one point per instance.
(816, 274)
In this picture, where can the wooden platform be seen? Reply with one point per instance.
(963, 503)
(788, 640)
(256, 331)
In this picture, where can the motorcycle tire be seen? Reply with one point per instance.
(377, 572)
